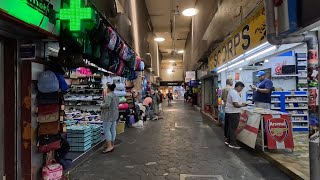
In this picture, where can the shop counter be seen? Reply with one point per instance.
(276, 128)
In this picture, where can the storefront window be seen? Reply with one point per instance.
(1, 113)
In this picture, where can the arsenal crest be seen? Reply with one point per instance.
(278, 129)
(243, 122)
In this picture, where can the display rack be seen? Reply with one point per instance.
(301, 63)
(293, 102)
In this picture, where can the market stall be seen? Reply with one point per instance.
(275, 132)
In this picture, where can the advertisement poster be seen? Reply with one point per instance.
(279, 132)
(313, 88)
(248, 128)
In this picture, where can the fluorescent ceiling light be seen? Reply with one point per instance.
(257, 48)
(222, 70)
(260, 53)
(159, 39)
(237, 63)
(181, 51)
(172, 61)
(240, 69)
(190, 12)
(267, 60)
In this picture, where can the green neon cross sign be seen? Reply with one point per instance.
(75, 14)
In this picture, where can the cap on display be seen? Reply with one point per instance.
(260, 73)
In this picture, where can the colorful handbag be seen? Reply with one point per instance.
(47, 143)
(141, 66)
(122, 100)
(48, 109)
(52, 171)
(129, 84)
(49, 118)
(120, 68)
(49, 128)
(48, 98)
(137, 63)
(113, 39)
(123, 106)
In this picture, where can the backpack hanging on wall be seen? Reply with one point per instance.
(48, 82)
(113, 39)
(137, 63)
(121, 68)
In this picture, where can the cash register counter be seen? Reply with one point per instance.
(276, 126)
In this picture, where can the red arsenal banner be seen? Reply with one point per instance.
(248, 128)
(279, 131)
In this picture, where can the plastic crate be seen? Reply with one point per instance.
(80, 149)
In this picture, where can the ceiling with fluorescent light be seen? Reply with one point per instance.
(162, 18)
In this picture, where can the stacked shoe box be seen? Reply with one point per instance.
(96, 133)
(79, 138)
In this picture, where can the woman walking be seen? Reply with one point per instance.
(109, 116)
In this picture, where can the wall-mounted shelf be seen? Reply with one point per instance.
(299, 115)
(286, 75)
(300, 108)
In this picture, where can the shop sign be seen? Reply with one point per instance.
(75, 14)
(194, 83)
(173, 83)
(279, 132)
(40, 13)
(249, 35)
(248, 128)
(191, 75)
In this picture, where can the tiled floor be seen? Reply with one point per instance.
(298, 160)
(180, 144)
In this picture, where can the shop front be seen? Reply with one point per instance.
(287, 124)
(17, 28)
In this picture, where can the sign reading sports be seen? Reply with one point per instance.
(249, 35)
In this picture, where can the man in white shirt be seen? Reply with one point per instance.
(233, 110)
(224, 96)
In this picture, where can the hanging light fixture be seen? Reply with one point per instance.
(159, 39)
(190, 12)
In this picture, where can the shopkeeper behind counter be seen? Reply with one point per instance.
(262, 92)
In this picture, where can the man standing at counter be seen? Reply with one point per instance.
(262, 92)
(233, 110)
(224, 97)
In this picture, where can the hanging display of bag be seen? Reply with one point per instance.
(52, 171)
(113, 39)
(49, 128)
(123, 106)
(48, 98)
(47, 143)
(137, 63)
(119, 93)
(141, 66)
(120, 86)
(129, 84)
(48, 82)
(122, 100)
(48, 109)
(120, 68)
(49, 118)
